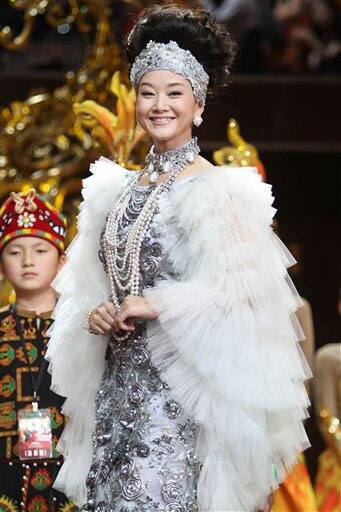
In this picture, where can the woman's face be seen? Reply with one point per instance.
(165, 108)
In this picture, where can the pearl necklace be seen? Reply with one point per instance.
(123, 260)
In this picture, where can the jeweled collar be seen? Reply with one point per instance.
(164, 163)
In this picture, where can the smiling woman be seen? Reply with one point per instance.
(165, 109)
(191, 304)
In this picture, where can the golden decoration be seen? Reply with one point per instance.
(240, 153)
(40, 145)
(7, 505)
(119, 132)
(331, 429)
(54, 14)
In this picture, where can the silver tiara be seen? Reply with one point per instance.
(171, 57)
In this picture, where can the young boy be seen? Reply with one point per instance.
(32, 236)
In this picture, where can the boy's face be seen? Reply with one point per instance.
(30, 264)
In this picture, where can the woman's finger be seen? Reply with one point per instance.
(99, 323)
(123, 320)
(110, 308)
(104, 315)
(126, 326)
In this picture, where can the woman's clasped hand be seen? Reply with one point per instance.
(105, 318)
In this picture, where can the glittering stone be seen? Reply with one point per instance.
(142, 450)
(175, 507)
(125, 467)
(172, 492)
(167, 167)
(136, 394)
(150, 265)
(172, 409)
(153, 177)
(190, 157)
(132, 489)
(92, 476)
(187, 431)
(90, 505)
(156, 249)
(191, 505)
(139, 356)
(192, 458)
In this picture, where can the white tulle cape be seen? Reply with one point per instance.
(226, 340)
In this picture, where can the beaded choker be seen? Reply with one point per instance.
(165, 163)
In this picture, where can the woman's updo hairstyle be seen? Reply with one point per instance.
(193, 30)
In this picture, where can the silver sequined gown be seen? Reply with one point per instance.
(144, 445)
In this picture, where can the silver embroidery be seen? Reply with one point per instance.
(144, 445)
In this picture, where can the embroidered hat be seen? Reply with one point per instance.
(27, 214)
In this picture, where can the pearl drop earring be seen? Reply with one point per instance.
(197, 120)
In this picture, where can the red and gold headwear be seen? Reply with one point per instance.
(27, 214)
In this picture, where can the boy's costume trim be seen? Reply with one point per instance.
(26, 485)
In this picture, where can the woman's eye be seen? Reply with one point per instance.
(146, 93)
(41, 250)
(175, 93)
(14, 253)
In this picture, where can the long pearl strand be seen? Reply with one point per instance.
(124, 267)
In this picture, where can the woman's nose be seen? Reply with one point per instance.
(160, 103)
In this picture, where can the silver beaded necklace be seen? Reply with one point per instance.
(165, 163)
(123, 256)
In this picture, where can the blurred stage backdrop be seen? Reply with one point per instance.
(65, 99)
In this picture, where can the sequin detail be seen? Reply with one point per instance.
(144, 445)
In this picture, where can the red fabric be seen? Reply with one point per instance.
(27, 214)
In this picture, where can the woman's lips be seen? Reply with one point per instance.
(161, 121)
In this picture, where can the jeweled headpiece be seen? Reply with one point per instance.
(170, 57)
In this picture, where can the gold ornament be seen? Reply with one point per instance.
(240, 153)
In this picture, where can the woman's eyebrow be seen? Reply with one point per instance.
(168, 85)
(175, 83)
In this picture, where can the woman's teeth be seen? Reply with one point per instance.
(161, 121)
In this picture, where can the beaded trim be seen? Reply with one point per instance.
(32, 232)
(171, 57)
(87, 324)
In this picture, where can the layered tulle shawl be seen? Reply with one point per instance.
(77, 357)
(226, 339)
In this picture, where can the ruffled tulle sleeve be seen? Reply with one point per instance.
(77, 357)
(226, 340)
